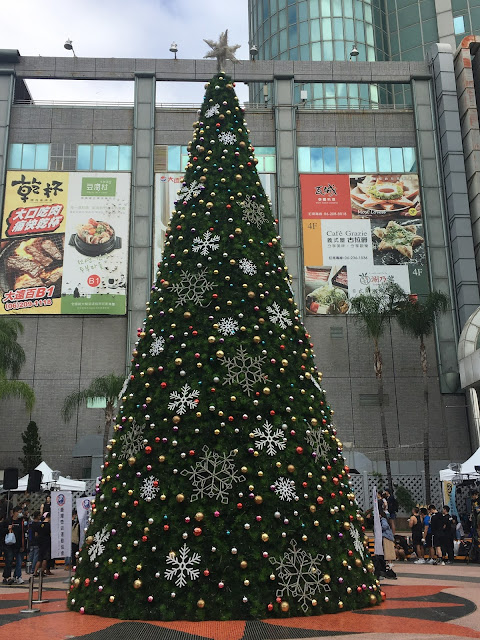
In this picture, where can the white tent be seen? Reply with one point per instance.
(62, 483)
(465, 471)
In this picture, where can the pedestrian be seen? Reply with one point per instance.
(392, 508)
(14, 546)
(388, 540)
(416, 526)
(75, 541)
(44, 540)
(33, 541)
(447, 535)
(436, 527)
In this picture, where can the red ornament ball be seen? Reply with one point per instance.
(197, 531)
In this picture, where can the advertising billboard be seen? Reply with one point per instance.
(64, 243)
(360, 231)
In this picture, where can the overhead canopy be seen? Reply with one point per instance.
(48, 483)
(464, 471)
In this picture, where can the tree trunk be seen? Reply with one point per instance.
(109, 416)
(377, 360)
(426, 430)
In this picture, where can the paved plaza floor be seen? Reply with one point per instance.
(424, 602)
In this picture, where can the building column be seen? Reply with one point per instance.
(459, 238)
(7, 89)
(288, 182)
(141, 220)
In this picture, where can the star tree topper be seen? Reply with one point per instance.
(221, 50)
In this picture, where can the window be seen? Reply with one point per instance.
(102, 157)
(459, 24)
(28, 156)
(63, 156)
(356, 159)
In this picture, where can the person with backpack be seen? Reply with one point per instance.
(447, 535)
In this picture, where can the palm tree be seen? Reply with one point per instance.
(374, 310)
(12, 358)
(417, 318)
(106, 387)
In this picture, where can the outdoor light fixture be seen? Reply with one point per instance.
(303, 96)
(174, 49)
(69, 46)
(353, 52)
(253, 51)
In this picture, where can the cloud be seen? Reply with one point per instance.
(121, 29)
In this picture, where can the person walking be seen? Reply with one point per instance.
(447, 535)
(14, 546)
(416, 526)
(436, 526)
(33, 541)
(44, 540)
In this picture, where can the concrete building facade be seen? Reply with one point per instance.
(65, 351)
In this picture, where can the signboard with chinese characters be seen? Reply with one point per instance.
(61, 524)
(64, 243)
(360, 231)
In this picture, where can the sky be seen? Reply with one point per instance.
(121, 29)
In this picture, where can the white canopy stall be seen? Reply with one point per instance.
(51, 482)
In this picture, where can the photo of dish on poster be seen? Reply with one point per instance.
(64, 243)
(360, 231)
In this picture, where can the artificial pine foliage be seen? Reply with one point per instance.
(32, 447)
(224, 492)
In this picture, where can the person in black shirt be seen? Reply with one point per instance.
(14, 551)
(43, 545)
(447, 535)
(436, 525)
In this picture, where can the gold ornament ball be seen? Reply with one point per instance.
(200, 603)
(324, 478)
(284, 606)
(76, 582)
(346, 525)
(243, 564)
(251, 294)
(314, 603)
(89, 540)
(219, 354)
(265, 537)
(211, 339)
(326, 578)
(187, 315)
(266, 391)
(238, 231)
(244, 469)
(291, 468)
(111, 599)
(340, 604)
(246, 582)
(199, 516)
(161, 458)
(209, 205)
(137, 584)
(138, 567)
(238, 177)
(373, 599)
(130, 492)
(358, 562)
(180, 497)
(258, 499)
(150, 371)
(176, 419)
(178, 361)
(349, 590)
(256, 339)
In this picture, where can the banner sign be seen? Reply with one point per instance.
(84, 506)
(61, 524)
(360, 231)
(64, 243)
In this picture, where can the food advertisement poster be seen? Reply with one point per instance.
(64, 243)
(360, 231)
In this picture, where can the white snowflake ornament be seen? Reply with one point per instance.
(244, 370)
(227, 326)
(192, 288)
(149, 489)
(226, 137)
(299, 575)
(272, 440)
(97, 547)
(279, 316)
(247, 266)
(157, 346)
(357, 541)
(253, 212)
(189, 191)
(212, 111)
(187, 398)
(317, 441)
(132, 440)
(205, 243)
(285, 489)
(183, 566)
(213, 475)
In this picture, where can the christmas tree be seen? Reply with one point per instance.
(224, 492)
